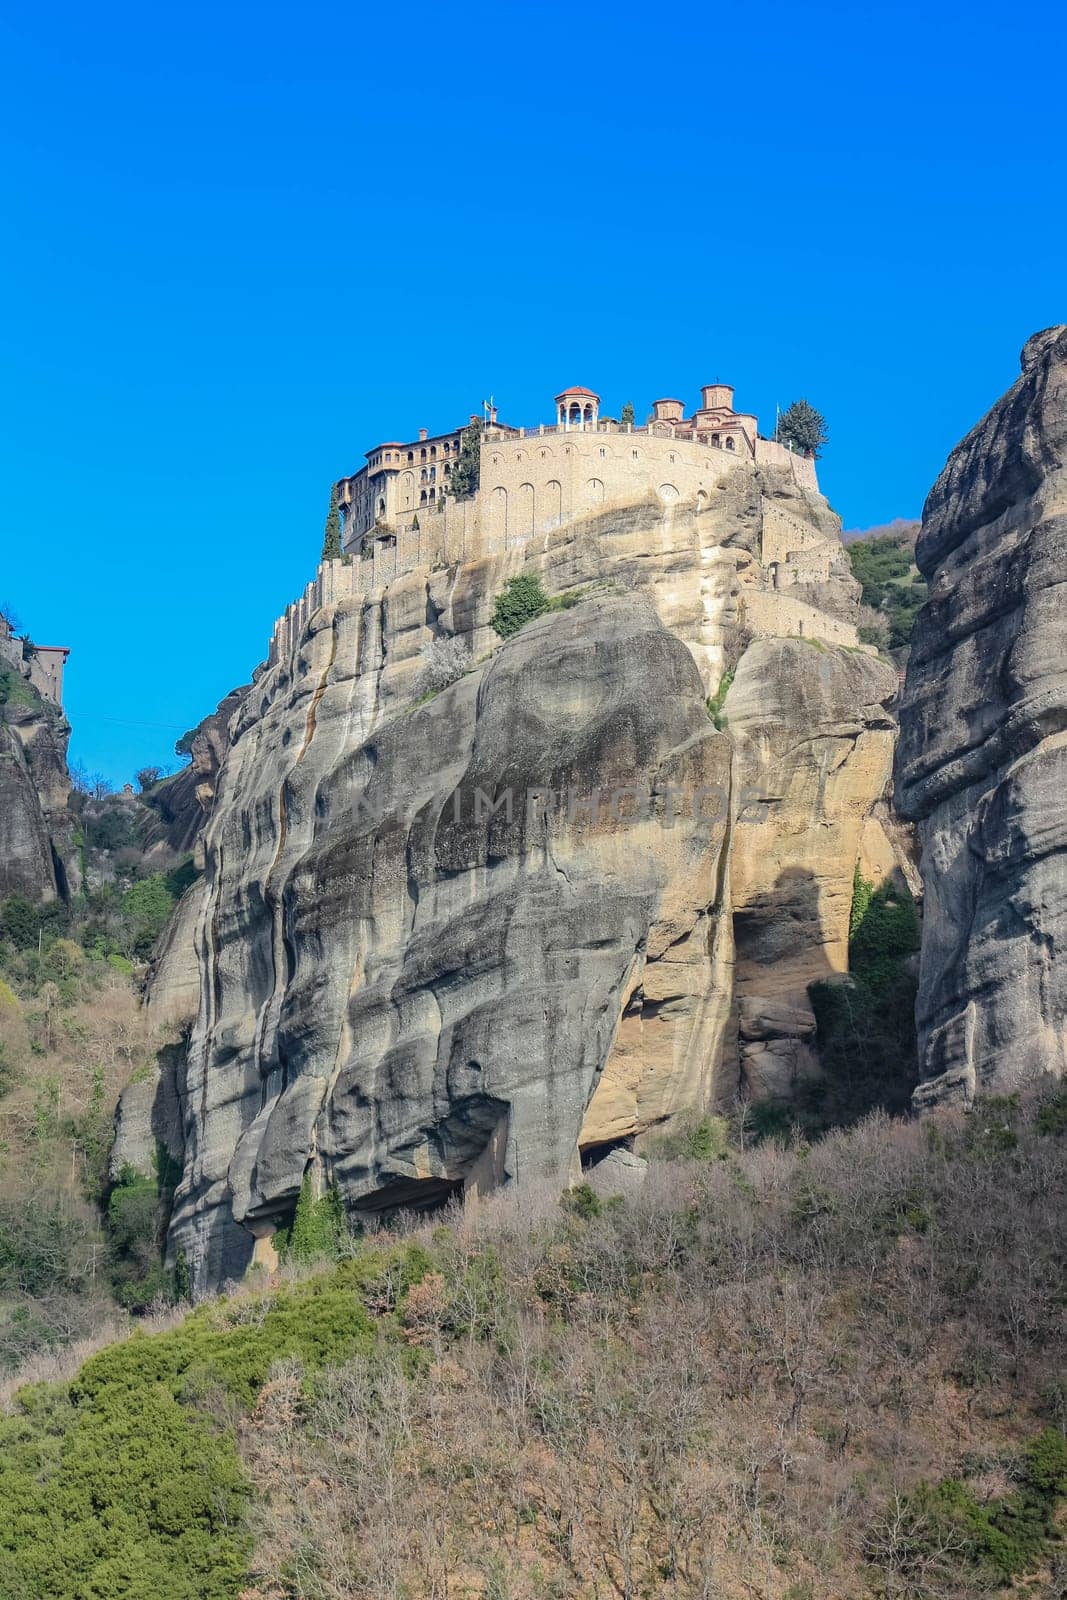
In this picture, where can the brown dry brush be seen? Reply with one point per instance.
(730, 1386)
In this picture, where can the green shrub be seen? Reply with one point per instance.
(1052, 1113)
(1004, 1536)
(121, 1494)
(767, 1120)
(718, 700)
(318, 1229)
(27, 925)
(15, 690)
(583, 1200)
(521, 600)
(147, 906)
(707, 1139)
(315, 1322)
(112, 827)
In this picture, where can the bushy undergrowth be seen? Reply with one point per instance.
(126, 1482)
(866, 1025)
(892, 588)
(442, 662)
(72, 1035)
(833, 1369)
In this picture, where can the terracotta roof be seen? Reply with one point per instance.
(564, 393)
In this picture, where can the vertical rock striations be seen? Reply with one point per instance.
(982, 762)
(394, 985)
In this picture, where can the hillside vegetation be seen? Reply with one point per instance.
(883, 560)
(77, 1250)
(785, 1372)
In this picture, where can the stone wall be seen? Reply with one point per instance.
(46, 671)
(785, 537)
(769, 612)
(769, 453)
(532, 484)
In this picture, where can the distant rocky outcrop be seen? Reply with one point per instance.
(413, 997)
(982, 764)
(38, 855)
(183, 801)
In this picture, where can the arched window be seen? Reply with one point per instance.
(381, 508)
(411, 455)
(729, 444)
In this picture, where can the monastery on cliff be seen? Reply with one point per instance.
(533, 479)
(399, 515)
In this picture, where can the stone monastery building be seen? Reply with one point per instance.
(399, 514)
(532, 479)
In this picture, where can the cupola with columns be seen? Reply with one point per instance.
(577, 409)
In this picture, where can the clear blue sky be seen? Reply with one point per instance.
(243, 243)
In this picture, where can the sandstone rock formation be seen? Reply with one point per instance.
(813, 750)
(183, 801)
(982, 763)
(413, 997)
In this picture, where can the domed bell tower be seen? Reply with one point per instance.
(577, 410)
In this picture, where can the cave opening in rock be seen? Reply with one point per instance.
(408, 1194)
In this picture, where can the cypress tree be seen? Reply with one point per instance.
(466, 474)
(331, 543)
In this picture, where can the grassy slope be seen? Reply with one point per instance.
(828, 1370)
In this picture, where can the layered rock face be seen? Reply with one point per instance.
(183, 801)
(982, 763)
(397, 982)
(813, 750)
